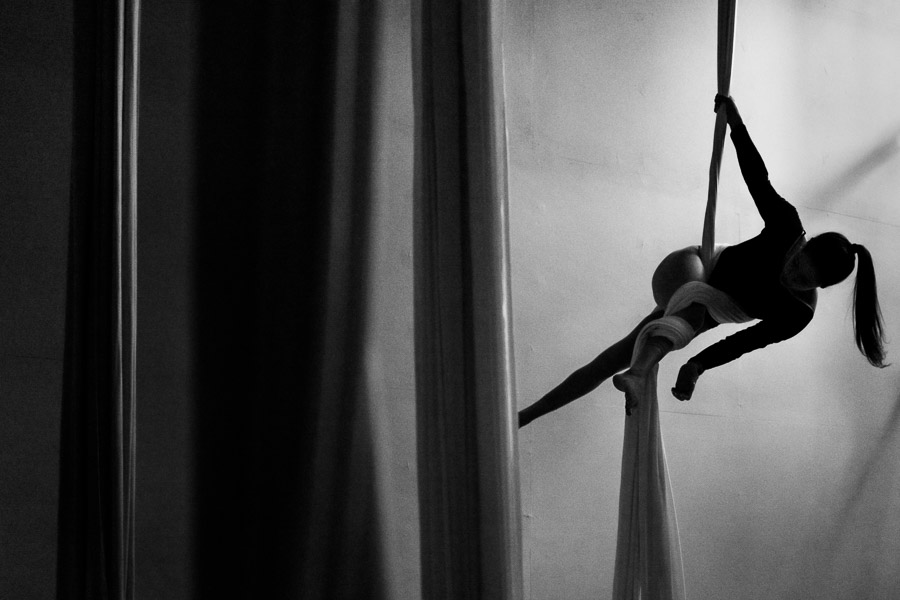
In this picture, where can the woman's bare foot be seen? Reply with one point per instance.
(631, 382)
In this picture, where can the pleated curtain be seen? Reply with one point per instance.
(468, 477)
(284, 501)
(97, 447)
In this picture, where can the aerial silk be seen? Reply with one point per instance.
(648, 551)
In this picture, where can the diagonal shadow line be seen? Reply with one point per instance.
(879, 450)
(838, 186)
(828, 543)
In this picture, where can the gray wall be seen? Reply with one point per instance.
(782, 462)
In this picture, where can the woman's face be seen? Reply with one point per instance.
(799, 272)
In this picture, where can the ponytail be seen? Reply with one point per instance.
(867, 321)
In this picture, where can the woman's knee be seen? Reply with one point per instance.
(696, 316)
(676, 269)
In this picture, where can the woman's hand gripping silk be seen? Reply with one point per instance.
(687, 379)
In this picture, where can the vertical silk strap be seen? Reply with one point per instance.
(727, 10)
(648, 549)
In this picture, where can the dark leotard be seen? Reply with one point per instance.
(750, 272)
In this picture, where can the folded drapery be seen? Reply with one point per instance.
(721, 307)
(648, 550)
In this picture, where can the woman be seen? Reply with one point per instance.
(772, 277)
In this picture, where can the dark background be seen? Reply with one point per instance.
(35, 121)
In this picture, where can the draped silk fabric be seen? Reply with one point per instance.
(648, 550)
(727, 13)
(97, 448)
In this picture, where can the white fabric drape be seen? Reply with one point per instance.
(727, 12)
(648, 550)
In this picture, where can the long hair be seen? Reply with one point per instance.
(867, 321)
(833, 255)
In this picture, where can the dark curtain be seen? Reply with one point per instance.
(284, 502)
(96, 496)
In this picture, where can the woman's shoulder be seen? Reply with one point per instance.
(806, 303)
(792, 313)
(784, 219)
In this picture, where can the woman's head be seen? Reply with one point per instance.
(823, 261)
(831, 257)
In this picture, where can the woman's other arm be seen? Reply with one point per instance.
(769, 204)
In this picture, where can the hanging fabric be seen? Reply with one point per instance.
(287, 481)
(468, 488)
(95, 556)
(648, 550)
(727, 11)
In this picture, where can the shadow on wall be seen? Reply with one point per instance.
(856, 519)
(841, 184)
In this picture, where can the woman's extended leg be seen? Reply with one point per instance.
(586, 379)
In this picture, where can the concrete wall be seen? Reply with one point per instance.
(782, 462)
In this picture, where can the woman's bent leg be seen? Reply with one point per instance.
(632, 381)
(653, 351)
(586, 379)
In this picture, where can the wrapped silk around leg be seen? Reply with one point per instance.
(648, 549)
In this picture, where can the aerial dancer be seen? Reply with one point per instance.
(772, 277)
